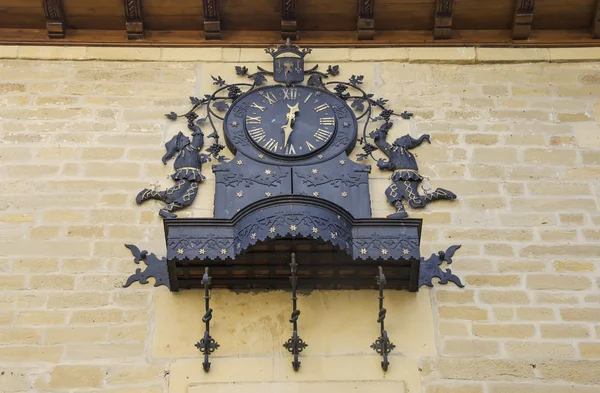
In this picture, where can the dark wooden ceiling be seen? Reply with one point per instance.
(316, 22)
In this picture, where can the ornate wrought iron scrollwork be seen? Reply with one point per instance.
(430, 268)
(155, 267)
(295, 344)
(382, 345)
(208, 344)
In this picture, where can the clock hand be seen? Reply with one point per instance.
(291, 117)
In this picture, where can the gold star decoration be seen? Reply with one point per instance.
(293, 227)
(316, 193)
(315, 171)
(342, 162)
(344, 194)
(315, 230)
(240, 194)
(363, 251)
(333, 235)
(384, 251)
(240, 162)
(405, 251)
(180, 251)
(223, 251)
(253, 236)
(346, 124)
(202, 251)
(261, 156)
(267, 171)
(272, 230)
(320, 156)
(234, 123)
(267, 194)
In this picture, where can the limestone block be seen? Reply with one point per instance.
(322, 373)
(53, 52)
(512, 55)
(257, 323)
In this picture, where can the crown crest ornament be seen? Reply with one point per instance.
(288, 62)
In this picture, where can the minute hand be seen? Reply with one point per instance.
(291, 117)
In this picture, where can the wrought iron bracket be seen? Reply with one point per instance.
(430, 268)
(207, 345)
(295, 344)
(382, 345)
(156, 268)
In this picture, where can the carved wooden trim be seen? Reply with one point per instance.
(288, 19)
(134, 24)
(596, 22)
(366, 21)
(212, 19)
(55, 18)
(442, 28)
(523, 19)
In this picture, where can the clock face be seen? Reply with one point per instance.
(291, 121)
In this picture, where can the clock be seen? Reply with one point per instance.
(289, 122)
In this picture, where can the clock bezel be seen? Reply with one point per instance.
(238, 139)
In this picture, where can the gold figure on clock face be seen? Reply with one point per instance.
(291, 121)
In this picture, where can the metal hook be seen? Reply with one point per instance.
(295, 344)
(382, 345)
(208, 344)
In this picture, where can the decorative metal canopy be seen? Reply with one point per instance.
(292, 210)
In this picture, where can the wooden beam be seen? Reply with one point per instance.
(596, 21)
(212, 19)
(313, 39)
(366, 21)
(288, 20)
(134, 24)
(55, 18)
(522, 20)
(442, 28)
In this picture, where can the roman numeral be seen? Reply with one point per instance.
(322, 135)
(252, 120)
(258, 134)
(322, 107)
(272, 145)
(310, 147)
(307, 98)
(255, 105)
(290, 94)
(327, 121)
(269, 96)
(290, 149)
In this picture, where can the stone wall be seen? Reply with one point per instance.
(515, 134)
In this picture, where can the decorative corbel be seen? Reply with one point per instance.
(443, 19)
(55, 18)
(382, 345)
(208, 344)
(134, 25)
(366, 20)
(288, 20)
(522, 19)
(156, 268)
(212, 20)
(295, 344)
(430, 268)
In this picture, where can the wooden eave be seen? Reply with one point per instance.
(370, 23)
